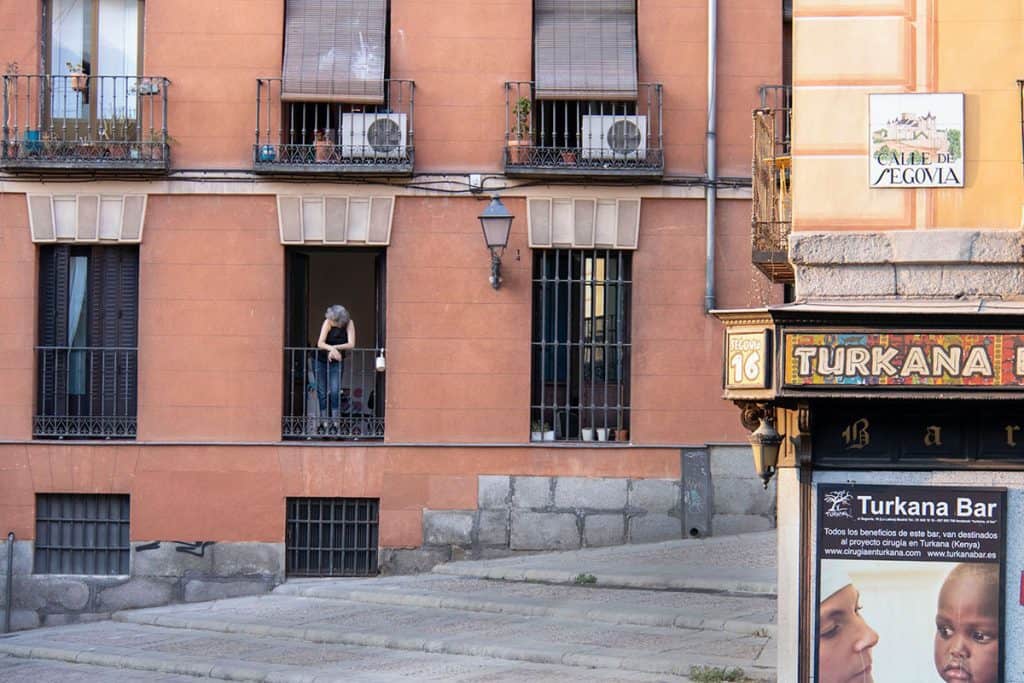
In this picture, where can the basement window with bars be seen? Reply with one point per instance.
(81, 534)
(332, 536)
(581, 344)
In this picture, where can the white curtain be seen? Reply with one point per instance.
(118, 55)
(77, 337)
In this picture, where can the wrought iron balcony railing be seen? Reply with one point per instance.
(86, 393)
(583, 137)
(771, 173)
(334, 138)
(326, 400)
(77, 121)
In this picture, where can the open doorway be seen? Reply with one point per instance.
(326, 399)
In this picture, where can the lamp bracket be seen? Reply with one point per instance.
(751, 413)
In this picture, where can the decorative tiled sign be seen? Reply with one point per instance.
(916, 140)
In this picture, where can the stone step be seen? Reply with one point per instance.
(107, 651)
(541, 640)
(743, 615)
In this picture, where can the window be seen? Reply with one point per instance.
(81, 534)
(331, 536)
(88, 336)
(581, 341)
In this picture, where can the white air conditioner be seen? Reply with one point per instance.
(609, 136)
(373, 135)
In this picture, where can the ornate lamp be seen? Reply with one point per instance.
(496, 222)
(765, 443)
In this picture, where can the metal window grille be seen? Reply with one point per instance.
(581, 343)
(332, 536)
(81, 534)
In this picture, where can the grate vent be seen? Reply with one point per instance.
(332, 536)
(81, 534)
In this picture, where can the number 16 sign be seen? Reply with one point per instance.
(746, 360)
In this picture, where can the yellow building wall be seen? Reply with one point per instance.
(845, 49)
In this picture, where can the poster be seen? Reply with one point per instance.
(916, 140)
(910, 584)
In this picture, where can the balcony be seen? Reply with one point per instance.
(87, 123)
(323, 138)
(772, 218)
(583, 138)
(325, 402)
(85, 393)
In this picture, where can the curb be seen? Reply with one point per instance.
(666, 618)
(579, 656)
(683, 583)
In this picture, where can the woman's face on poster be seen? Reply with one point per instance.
(844, 639)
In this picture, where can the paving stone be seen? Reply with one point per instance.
(51, 592)
(722, 525)
(590, 492)
(197, 590)
(602, 530)
(531, 492)
(494, 491)
(654, 495)
(543, 531)
(136, 593)
(448, 527)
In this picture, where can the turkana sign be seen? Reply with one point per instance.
(904, 359)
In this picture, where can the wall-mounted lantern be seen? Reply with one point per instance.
(765, 442)
(496, 222)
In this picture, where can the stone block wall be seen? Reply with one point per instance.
(161, 573)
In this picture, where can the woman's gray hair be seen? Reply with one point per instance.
(337, 314)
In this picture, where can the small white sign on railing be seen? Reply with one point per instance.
(916, 140)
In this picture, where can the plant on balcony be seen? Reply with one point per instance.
(79, 79)
(322, 147)
(541, 431)
(519, 139)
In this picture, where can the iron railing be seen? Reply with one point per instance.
(583, 137)
(771, 178)
(334, 138)
(331, 401)
(86, 393)
(82, 534)
(97, 123)
(581, 345)
(332, 536)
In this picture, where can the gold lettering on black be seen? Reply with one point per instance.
(933, 436)
(856, 435)
(1010, 431)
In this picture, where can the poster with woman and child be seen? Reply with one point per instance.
(910, 584)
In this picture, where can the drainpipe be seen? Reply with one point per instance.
(711, 177)
(10, 582)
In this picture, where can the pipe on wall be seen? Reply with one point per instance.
(711, 185)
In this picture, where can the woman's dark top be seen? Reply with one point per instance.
(335, 336)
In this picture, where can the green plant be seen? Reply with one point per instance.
(717, 674)
(521, 115)
(538, 426)
(584, 579)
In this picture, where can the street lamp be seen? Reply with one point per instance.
(765, 443)
(496, 222)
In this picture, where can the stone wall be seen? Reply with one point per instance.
(162, 573)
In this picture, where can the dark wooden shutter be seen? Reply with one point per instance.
(53, 328)
(585, 49)
(334, 51)
(113, 324)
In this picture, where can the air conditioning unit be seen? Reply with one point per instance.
(608, 136)
(373, 135)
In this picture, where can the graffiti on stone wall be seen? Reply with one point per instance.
(194, 548)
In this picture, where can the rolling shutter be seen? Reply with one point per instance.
(585, 49)
(334, 51)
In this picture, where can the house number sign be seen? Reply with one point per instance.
(747, 358)
(957, 360)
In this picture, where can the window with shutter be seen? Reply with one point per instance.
(88, 338)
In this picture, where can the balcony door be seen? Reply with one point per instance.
(102, 38)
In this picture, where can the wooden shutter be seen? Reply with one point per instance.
(53, 328)
(113, 323)
(585, 49)
(334, 51)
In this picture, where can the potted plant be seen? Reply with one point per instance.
(541, 431)
(78, 78)
(622, 435)
(602, 433)
(587, 433)
(519, 136)
(267, 153)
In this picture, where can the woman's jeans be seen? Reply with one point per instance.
(328, 385)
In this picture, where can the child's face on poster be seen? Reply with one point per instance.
(967, 630)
